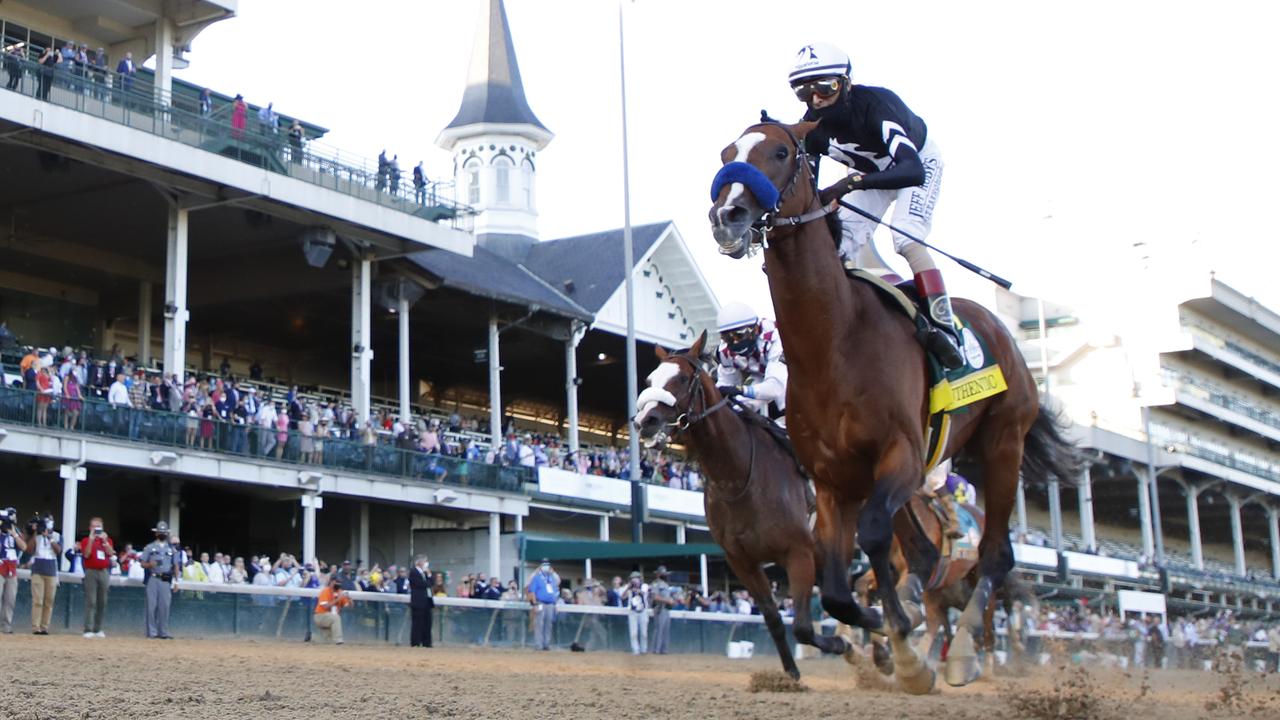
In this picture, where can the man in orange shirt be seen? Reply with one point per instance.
(331, 600)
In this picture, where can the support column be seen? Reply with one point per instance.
(495, 544)
(402, 314)
(1086, 509)
(71, 476)
(363, 547)
(1021, 507)
(680, 530)
(604, 528)
(361, 336)
(1237, 531)
(144, 323)
(175, 295)
(1273, 528)
(519, 522)
(702, 568)
(1055, 514)
(164, 57)
(1193, 522)
(586, 568)
(571, 384)
(310, 503)
(495, 386)
(173, 506)
(1144, 515)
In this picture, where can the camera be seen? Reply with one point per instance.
(8, 518)
(40, 524)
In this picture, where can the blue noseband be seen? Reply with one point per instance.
(749, 175)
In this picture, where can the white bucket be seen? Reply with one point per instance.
(741, 650)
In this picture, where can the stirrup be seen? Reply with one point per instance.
(938, 343)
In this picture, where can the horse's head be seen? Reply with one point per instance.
(664, 407)
(765, 175)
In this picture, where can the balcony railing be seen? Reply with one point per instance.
(1216, 395)
(93, 416)
(134, 102)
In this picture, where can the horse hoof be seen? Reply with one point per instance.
(850, 653)
(963, 666)
(882, 658)
(919, 682)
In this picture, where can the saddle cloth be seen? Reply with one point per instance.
(964, 547)
(949, 391)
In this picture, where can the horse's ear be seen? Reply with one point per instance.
(801, 129)
(661, 352)
(696, 350)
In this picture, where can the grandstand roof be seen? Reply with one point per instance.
(487, 274)
(592, 263)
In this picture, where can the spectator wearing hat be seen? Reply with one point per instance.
(543, 593)
(326, 617)
(635, 597)
(663, 598)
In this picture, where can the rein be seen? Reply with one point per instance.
(687, 418)
(771, 221)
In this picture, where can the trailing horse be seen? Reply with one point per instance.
(755, 495)
(858, 401)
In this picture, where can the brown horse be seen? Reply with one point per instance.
(857, 401)
(755, 495)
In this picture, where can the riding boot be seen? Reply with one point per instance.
(939, 337)
(948, 502)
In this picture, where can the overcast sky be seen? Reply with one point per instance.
(1091, 148)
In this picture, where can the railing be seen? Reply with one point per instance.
(1219, 397)
(94, 416)
(1235, 348)
(136, 103)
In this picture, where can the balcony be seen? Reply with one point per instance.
(1179, 440)
(1212, 400)
(1224, 350)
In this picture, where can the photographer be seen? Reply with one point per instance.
(45, 545)
(161, 561)
(332, 599)
(96, 552)
(635, 598)
(11, 543)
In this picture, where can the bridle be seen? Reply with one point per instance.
(770, 221)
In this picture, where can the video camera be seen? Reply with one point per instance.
(40, 524)
(8, 518)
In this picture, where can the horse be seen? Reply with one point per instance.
(755, 496)
(857, 400)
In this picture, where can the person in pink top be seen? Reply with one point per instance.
(282, 433)
(239, 113)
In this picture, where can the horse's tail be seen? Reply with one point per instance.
(1046, 454)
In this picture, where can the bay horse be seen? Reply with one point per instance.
(857, 401)
(755, 495)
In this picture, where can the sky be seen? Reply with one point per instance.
(1095, 152)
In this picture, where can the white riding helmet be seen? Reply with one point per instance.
(819, 60)
(735, 316)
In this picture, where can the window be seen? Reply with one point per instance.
(472, 169)
(526, 179)
(502, 180)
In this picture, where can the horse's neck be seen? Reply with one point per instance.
(811, 293)
(721, 442)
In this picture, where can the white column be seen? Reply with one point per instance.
(495, 386)
(310, 503)
(1273, 528)
(361, 336)
(495, 544)
(586, 568)
(702, 568)
(680, 530)
(1086, 509)
(402, 312)
(173, 506)
(144, 323)
(363, 546)
(1237, 531)
(71, 477)
(604, 528)
(1144, 514)
(1193, 522)
(519, 522)
(1055, 514)
(175, 295)
(571, 383)
(164, 57)
(1021, 507)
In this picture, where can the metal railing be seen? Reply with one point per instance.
(94, 416)
(135, 102)
(1218, 396)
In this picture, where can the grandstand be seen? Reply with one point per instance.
(195, 247)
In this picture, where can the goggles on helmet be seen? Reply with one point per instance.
(821, 88)
(739, 340)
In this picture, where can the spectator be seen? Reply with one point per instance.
(662, 597)
(347, 576)
(44, 397)
(420, 603)
(295, 153)
(239, 575)
(332, 599)
(97, 551)
(439, 588)
(125, 72)
(635, 597)
(268, 125)
(544, 591)
(48, 62)
(13, 67)
(613, 597)
(380, 182)
(11, 543)
(206, 102)
(45, 545)
(282, 432)
(420, 191)
(239, 116)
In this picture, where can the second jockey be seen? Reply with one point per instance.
(749, 361)
(893, 161)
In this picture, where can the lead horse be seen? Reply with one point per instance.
(857, 401)
(755, 496)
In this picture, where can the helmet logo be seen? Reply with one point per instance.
(807, 49)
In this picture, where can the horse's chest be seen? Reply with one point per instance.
(828, 450)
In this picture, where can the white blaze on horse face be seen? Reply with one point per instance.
(657, 392)
(745, 145)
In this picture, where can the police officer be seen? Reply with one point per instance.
(662, 597)
(161, 562)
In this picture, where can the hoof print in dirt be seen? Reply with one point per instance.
(774, 681)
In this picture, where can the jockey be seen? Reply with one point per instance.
(750, 362)
(937, 485)
(893, 160)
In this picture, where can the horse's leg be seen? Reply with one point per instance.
(757, 583)
(800, 573)
(989, 635)
(1002, 456)
(934, 615)
(835, 534)
(897, 477)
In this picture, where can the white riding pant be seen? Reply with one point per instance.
(912, 213)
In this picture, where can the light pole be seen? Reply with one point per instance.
(1153, 486)
(637, 492)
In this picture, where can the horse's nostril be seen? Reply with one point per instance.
(736, 214)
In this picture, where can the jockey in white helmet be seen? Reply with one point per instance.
(893, 161)
(750, 363)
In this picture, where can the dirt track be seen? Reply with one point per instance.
(246, 679)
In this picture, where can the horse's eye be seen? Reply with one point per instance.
(781, 153)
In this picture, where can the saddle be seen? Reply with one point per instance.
(949, 391)
(953, 549)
